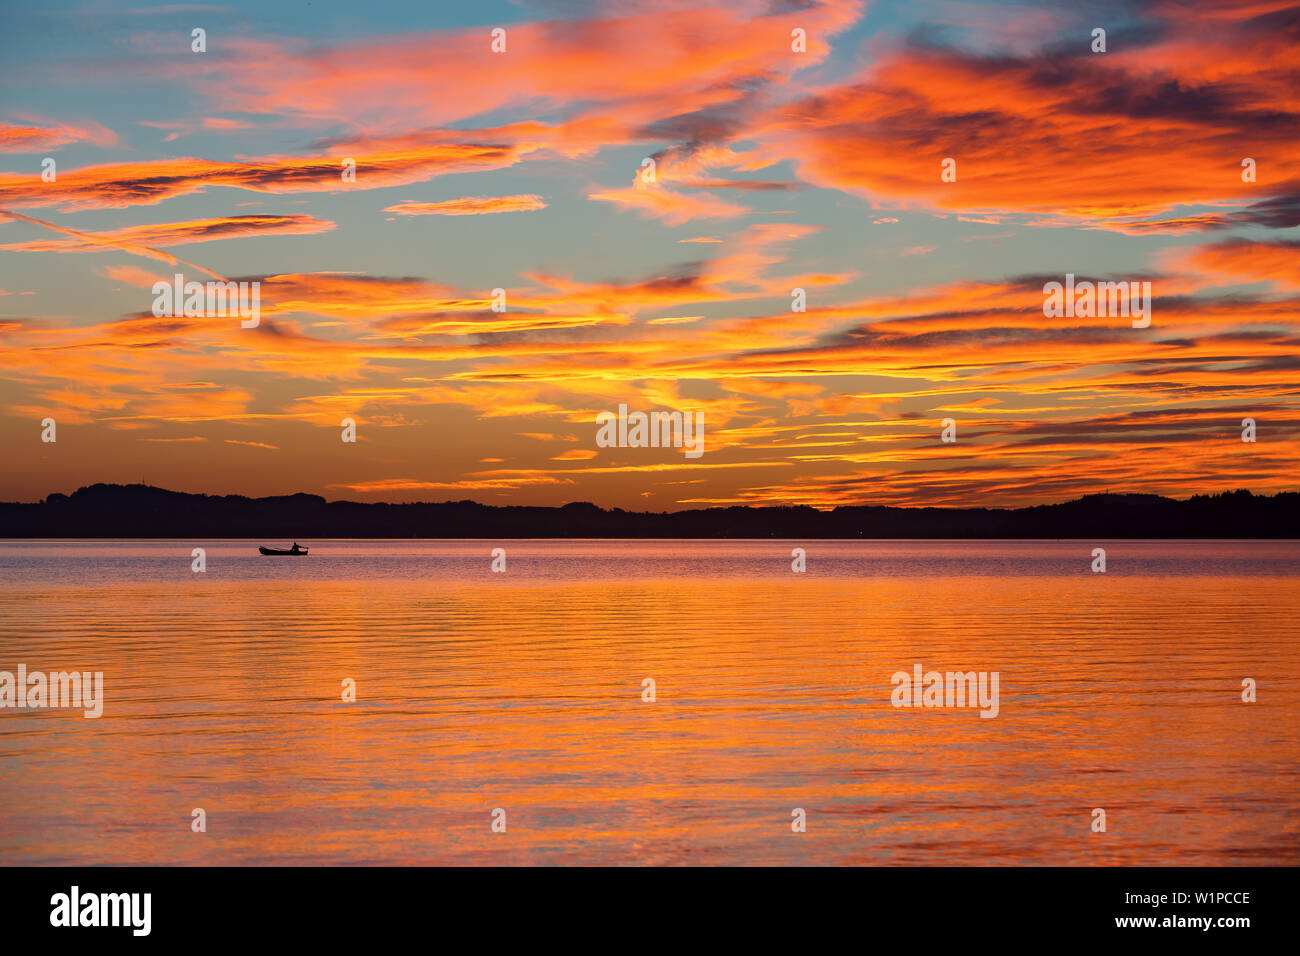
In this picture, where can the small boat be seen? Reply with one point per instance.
(295, 551)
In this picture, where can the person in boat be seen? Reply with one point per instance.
(295, 549)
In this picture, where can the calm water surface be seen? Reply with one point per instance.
(523, 691)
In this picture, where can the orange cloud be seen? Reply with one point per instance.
(1276, 262)
(1077, 136)
(697, 56)
(181, 233)
(674, 208)
(469, 206)
(34, 138)
(118, 185)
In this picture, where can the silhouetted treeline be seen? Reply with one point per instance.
(141, 511)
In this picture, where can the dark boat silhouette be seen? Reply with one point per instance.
(295, 551)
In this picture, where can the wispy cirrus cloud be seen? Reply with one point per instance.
(667, 204)
(39, 137)
(469, 206)
(181, 233)
(119, 185)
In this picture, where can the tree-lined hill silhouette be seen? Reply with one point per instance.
(142, 511)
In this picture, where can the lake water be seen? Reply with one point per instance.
(523, 691)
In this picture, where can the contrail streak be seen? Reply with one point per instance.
(131, 247)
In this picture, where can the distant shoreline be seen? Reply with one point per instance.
(141, 511)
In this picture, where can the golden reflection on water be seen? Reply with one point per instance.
(478, 691)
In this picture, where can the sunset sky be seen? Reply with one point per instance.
(775, 170)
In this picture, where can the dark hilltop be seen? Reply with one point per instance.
(142, 511)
